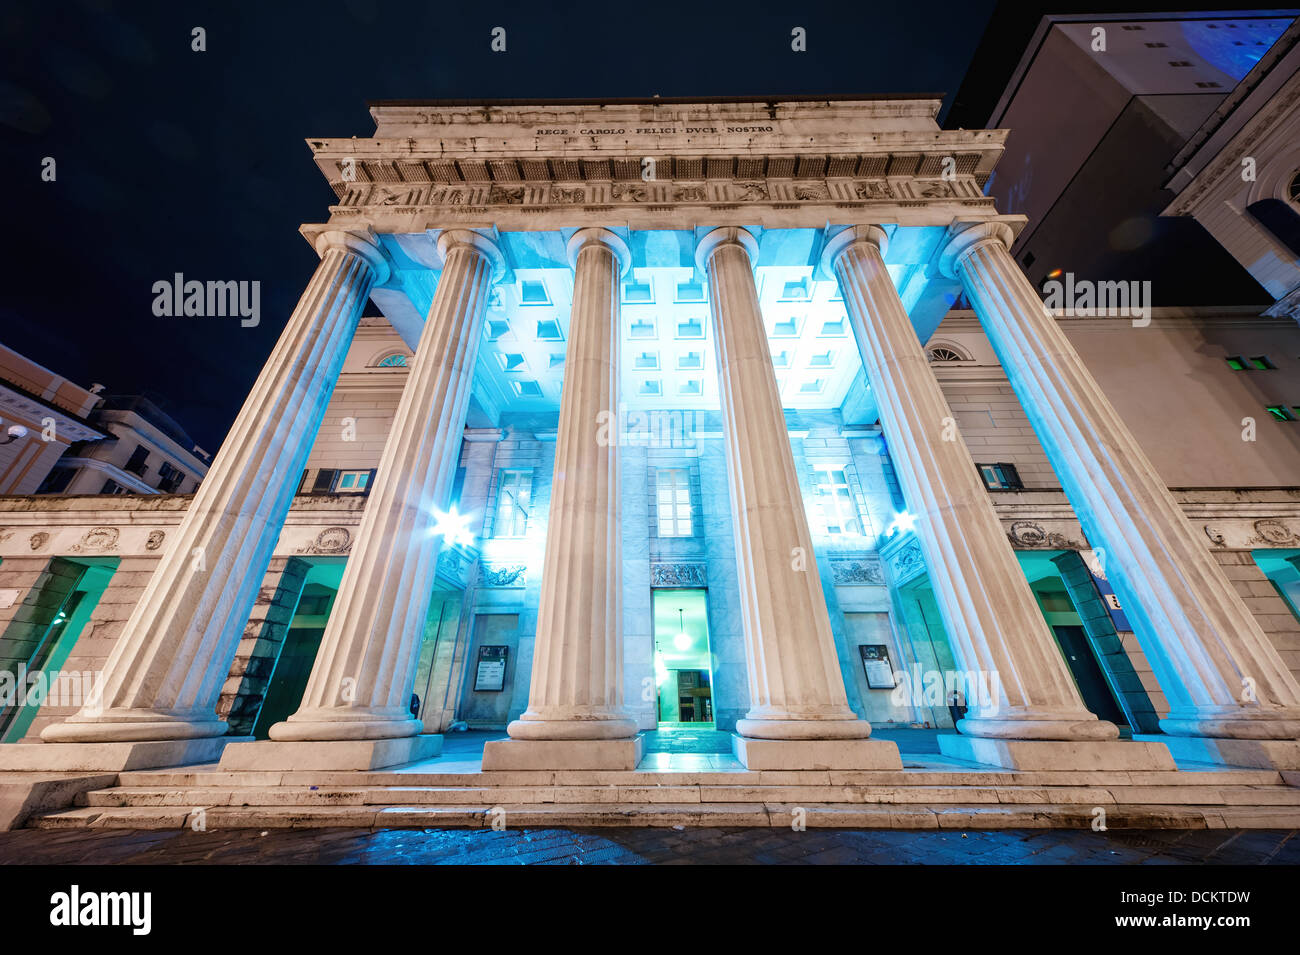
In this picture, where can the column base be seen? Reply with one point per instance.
(1064, 755)
(1246, 753)
(114, 757)
(756, 754)
(359, 754)
(502, 754)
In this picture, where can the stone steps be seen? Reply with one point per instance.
(124, 796)
(921, 797)
(193, 777)
(674, 814)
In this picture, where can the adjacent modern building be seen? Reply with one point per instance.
(598, 418)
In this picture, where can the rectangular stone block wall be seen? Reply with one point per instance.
(995, 428)
(259, 648)
(1263, 600)
(101, 631)
(360, 445)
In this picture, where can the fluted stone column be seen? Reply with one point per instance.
(165, 673)
(575, 717)
(1023, 690)
(360, 685)
(1223, 678)
(799, 717)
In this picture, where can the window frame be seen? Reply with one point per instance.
(518, 483)
(676, 482)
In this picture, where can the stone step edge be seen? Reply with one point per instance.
(253, 778)
(1006, 816)
(287, 797)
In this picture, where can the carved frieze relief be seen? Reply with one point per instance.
(331, 540)
(502, 575)
(678, 575)
(97, 540)
(1031, 535)
(858, 570)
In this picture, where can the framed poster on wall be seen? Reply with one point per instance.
(491, 673)
(875, 661)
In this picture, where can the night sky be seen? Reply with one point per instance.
(170, 160)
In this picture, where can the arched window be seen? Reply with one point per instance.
(1293, 189)
(944, 353)
(397, 360)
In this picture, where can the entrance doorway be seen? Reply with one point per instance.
(683, 664)
(297, 657)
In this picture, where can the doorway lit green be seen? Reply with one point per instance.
(683, 663)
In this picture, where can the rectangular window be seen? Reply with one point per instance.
(57, 481)
(673, 502)
(1000, 477)
(514, 491)
(1281, 413)
(839, 511)
(169, 477)
(533, 293)
(352, 482)
(136, 464)
(638, 292)
(1262, 363)
(1236, 363)
(690, 292)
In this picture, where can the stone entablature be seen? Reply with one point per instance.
(655, 165)
(98, 525)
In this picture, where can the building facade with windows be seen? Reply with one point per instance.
(141, 451)
(669, 419)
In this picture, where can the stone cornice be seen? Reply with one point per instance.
(1226, 166)
(485, 164)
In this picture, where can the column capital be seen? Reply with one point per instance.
(451, 238)
(603, 237)
(362, 244)
(840, 241)
(964, 238)
(730, 235)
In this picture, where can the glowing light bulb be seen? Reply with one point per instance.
(903, 521)
(453, 527)
(683, 641)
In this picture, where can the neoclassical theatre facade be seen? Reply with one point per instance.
(600, 418)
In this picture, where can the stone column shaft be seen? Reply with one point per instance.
(360, 685)
(1024, 689)
(1222, 676)
(165, 673)
(796, 689)
(576, 692)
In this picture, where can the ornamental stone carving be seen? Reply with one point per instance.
(630, 192)
(1033, 536)
(568, 195)
(678, 575)
(332, 540)
(502, 575)
(811, 191)
(873, 189)
(38, 540)
(155, 540)
(1275, 532)
(451, 565)
(97, 540)
(908, 561)
(509, 195)
(861, 571)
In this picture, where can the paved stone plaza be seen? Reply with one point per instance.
(705, 846)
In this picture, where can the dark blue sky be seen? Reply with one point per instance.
(172, 161)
